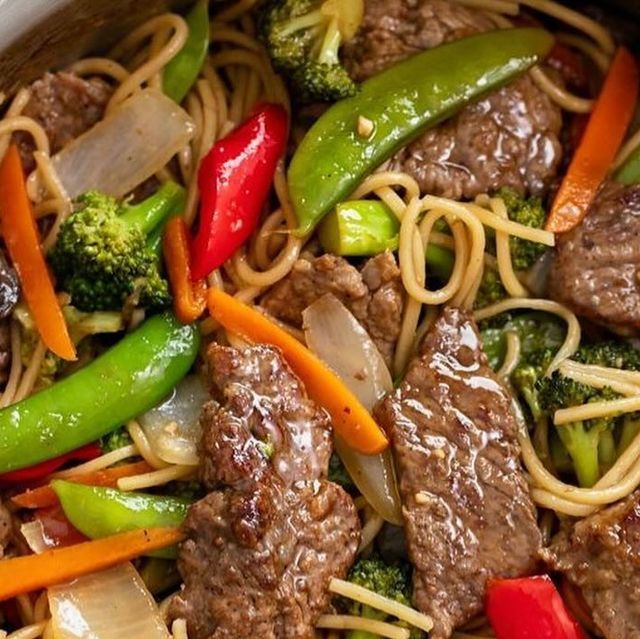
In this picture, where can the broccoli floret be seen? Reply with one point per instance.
(536, 331)
(491, 289)
(116, 439)
(303, 39)
(338, 474)
(101, 257)
(612, 354)
(529, 212)
(389, 580)
(588, 443)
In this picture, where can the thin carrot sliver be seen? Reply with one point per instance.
(21, 575)
(602, 138)
(21, 237)
(44, 496)
(350, 418)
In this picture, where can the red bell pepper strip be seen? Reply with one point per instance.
(234, 181)
(605, 131)
(529, 608)
(57, 529)
(189, 298)
(45, 468)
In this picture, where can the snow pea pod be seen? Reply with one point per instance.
(182, 71)
(401, 103)
(124, 382)
(101, 512)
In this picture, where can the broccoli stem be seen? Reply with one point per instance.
(607, 449)
(368, 227)
(168, 200)
(306, 21)
(359, 228)
(630, 430)
(582, 444)
(330, 44)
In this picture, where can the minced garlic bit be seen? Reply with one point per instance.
(422, 498)
(365, 127)
(438, 452)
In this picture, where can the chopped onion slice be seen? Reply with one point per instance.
(110, 604)
(131, 144)
(173, 427)
(33, 532)
(337, 338)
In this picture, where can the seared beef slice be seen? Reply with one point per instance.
(509, 138)
(468, 514)
(601, 555)
(597, 265)
(263, 546)
(374, 294)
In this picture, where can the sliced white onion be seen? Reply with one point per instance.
(173, 427)
(110, 604)
(33, 532)
(130, 145)
(337, 338)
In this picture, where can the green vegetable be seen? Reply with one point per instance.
(590, 446)
(389, 580)
(183, 70)
(126, 381)
(338, 474)
(537, 332)
(359, 227)
(117, 439)
(629, 172)
(101, 512)
(303, 39)
(402, 102)
(529, 212)
(159, 575)
(101, 258)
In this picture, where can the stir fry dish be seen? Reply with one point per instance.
(319, 320)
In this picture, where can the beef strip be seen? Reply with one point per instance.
(601, 555)
(374, 295)
(66, 106)
(596, 265)
(467, 510)
(264, 544)
(5, 528)
(509, 138)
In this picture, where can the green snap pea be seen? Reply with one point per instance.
(102, 512)
(401, 103)
(183, 70)
(124, 382)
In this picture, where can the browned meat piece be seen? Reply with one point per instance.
(5, 529)
(263, 547)
(250, 385)
(9, 287)
(601, 555)
(595, 271)
(468, 513)
(66, 106)
(510, 138)
(374, 295)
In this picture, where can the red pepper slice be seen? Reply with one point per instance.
(234, 181)
(45, 468)
(529, 608)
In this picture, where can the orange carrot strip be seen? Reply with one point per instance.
(350, 419)
(21, 237)
(189, 298)
(21, 575)
(605, 131)
(44, 496)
